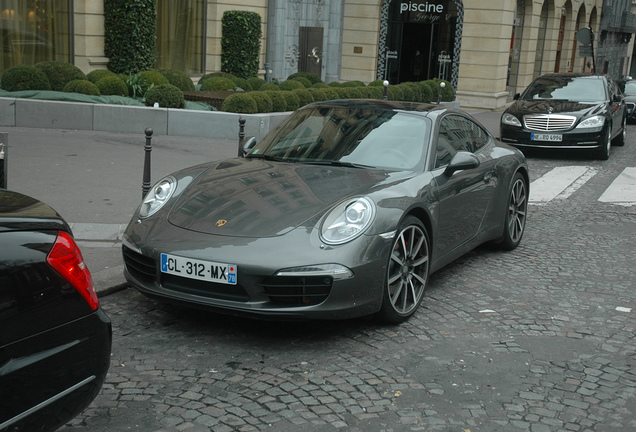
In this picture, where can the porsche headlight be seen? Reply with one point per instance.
(592, 122)
(347, 221)
(511, 120)
(159, 194)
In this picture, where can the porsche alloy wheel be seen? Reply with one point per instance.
(407, 272)
(516, 211)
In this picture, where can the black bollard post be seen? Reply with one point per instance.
(386, 90)
(145, 186)
(439, 95)
(241, 136)
(4, 160)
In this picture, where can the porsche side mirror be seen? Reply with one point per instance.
(462, 160)
(617, 98)
(248, 145)
(517, 96)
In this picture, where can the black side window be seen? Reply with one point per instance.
(457, 133)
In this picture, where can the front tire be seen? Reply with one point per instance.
(603, 151)
(516, 212)
(619, 141)
(407, 272)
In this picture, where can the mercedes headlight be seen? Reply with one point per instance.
(592, 122)
(158, 195)
(347, 221)
(511, 120)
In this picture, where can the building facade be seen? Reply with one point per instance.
(488, 49)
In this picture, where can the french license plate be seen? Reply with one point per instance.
(198, 269)
(546, 137)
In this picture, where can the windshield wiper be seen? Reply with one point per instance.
(338, 163)
(266, 157)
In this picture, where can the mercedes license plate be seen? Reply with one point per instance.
(198, 269)
(547, 137)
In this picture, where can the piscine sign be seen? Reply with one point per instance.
(421, 7)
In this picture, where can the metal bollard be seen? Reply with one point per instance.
(145, 186)
(241, 135)
(439, 95)
(4, 160)
(386, 90)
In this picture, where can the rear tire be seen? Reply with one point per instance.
(407, 272)
(516, 211)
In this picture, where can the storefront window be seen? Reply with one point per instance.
(180, 35)
(32, 31)
(422, 40)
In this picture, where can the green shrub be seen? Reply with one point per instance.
(304, 81)
(279, 103)
(334, 84)
(270, 87)
(304, 96)
(434, 88)
(427, 92)
(352, 84)
(319, 85)
(241, 43)
(23, 77)
(240, 103)
(166, 95)
(82, 86)
(206, 77)
(292, 102)
(130, 35)
(415, 89)
(349, 93)
(407, 93)
(113, 86)
(256, 82)
(98, 74)
(218, 84)
(137, 86)
(448, 94)
(376, 83)
(178, 79)
(60, 73)
(318, 94)
(242, 83)
(375, 92)
(152, 77)
(313, 78)
(263, 101)
(331, 93)
(291, 85)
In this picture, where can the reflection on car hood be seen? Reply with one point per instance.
(577, 109)
(259, 198)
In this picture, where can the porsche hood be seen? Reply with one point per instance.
(259, 198)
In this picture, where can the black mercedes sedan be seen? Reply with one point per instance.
(55, 340)
(344, 210)
(567, 111)
(630, 100)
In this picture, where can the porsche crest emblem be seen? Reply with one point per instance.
(220, 222)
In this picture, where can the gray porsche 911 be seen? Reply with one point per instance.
(344, 210)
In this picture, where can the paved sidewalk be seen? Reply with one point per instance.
(94, 180)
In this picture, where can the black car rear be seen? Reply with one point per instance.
(55, 340)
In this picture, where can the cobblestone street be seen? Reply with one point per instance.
(537, 339)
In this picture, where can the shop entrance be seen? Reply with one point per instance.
(418, 52)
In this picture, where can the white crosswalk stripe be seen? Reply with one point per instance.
(561, 182)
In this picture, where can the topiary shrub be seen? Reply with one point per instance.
(291, 85)
(60, 73)
(270, 87)
(407, 93)
(166, 95)
(279, 103)
(352, 84)
(304, 81)
(112, 86)
(292, 102)
(98, 74)
(263, 101)
(376, 83)
(395, 93)
(417, 91)
(319, 85)
(334, 84)
(304, 96)
(218, 84)
(82, 86)
(313, 78)
(22, 77)
(206, 77)
(434, 88)
(375, 92)
(242, 103)
(242, 84)
(153, 77)
(241, 43)
(349, 93)
(317, 94)
(130, 35)
(331, 93)
(256, 82)
(178, 79)
(427, 92)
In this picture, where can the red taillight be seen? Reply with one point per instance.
(66, 258)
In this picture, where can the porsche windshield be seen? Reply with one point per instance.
(571, 89)
(359, 136)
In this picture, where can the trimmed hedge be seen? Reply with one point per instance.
(241, 43)
(23, 77)
(263, 101)
(130, 35)
(304, 81)
(112, 86)
(240, 103)
(166, 95)
(60, 73)
(242, 83)
(279, 103)
(256, 82)
(314, 79)
(218, 84)
(270, 87)
(178, 79)
(304, 96)
(98, 74)
(153, 77)
(82, 86)
(291, 85)
(292, 102)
